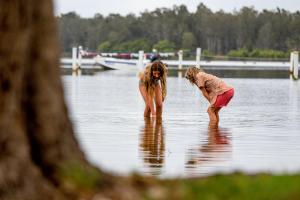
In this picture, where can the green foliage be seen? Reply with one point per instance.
(133, 46)
(188, 41)
(207, 53)
(105, 46)
(241, 53)
(243, 187)
(75, 175)
(268, 53)
(71, 29)
(257, 53)
(234, 186)
(172, 29)
(164, 46)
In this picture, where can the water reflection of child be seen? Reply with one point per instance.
(152, 142)
(218, 142)
(215, 90)
(152, 85)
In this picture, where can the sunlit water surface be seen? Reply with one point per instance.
(259, 130)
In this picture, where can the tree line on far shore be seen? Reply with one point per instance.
(243, 33)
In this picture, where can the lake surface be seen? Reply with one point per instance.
(259, 130)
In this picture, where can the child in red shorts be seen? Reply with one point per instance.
(215, 90)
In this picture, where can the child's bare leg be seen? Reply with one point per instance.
(213, 120)
(147, 110)
(158, 101)
(217, 114)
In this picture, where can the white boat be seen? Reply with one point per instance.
(119, 64)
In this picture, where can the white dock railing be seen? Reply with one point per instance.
(294, 64)
(77, 62)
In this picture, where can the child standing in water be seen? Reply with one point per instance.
(153, 87)
(215, 90)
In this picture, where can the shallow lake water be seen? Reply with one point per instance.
(259, 130)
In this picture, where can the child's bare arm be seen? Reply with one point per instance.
(204, 92)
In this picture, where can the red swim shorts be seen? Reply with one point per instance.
(223, 99)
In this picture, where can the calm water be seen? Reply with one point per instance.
(259, 130)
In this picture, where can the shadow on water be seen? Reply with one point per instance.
(214, 150)
(152, 145)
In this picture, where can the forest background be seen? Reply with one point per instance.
(243, 33)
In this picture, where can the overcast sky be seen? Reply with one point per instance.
(88, 8)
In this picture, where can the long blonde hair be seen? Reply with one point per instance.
(191, 73)
(149, 81)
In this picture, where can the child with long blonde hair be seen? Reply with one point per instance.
(153, 88)
(215, 90)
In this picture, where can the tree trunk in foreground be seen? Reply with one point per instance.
(39, 155)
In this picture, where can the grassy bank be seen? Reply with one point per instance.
(234, 186)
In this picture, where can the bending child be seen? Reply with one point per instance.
(215, 90)
(153, 86)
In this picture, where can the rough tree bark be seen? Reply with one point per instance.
(39, 155)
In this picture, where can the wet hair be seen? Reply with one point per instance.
(150, 81)
(191, 73)
(157, 66)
